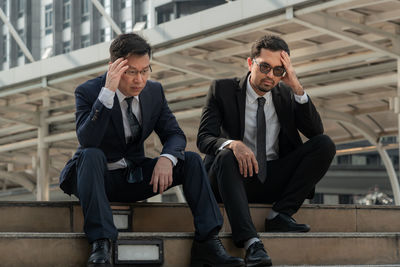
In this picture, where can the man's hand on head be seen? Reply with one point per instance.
(291, 78)
(162, 175)
(115, 71)
(245, 157)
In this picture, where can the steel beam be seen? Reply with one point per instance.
(16, 36)
(373, 138)
(108, 18)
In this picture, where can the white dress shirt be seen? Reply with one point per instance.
(106, 97)
(271, 119)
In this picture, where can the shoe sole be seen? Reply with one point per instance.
(291, 231)
(205, 264)
(100, 265)
(259, 264)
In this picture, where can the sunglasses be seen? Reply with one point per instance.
(265, 68)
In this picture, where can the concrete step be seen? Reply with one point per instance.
(139, 217)
(71, 249)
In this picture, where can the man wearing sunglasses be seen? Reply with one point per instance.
(115, 113)
(249, 131)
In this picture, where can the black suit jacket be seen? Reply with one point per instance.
(100, 127)
(223, 117)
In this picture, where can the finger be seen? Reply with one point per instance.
(122, 70)
(155, 183)
(170, 179)
(161, 184)
(244, 167)
(240, 166)
(250, 166)
(120, 65)
(255, 164)
(115, 63)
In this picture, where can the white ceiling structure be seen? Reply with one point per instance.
(345, 52)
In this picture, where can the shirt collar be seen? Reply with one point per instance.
(121, 96)
(252, 95)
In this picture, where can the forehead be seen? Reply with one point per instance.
(271, 57)
(138, 61)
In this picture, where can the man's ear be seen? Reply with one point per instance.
(249, 62)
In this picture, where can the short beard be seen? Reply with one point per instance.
(266, 90)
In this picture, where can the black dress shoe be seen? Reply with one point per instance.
(101, 253)
(212, 253)
(284, 223)
(257, 256)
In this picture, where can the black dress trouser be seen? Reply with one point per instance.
(289, 182)
(97, 186)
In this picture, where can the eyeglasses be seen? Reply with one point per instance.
(142, 73)
(278, 71)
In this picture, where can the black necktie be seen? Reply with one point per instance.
(261, 132)
(133, 173)
(136, 129)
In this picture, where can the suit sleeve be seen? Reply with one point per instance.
(92, 118)
(308, 120)
(208, 137)
(167, 128)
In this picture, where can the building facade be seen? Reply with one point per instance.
(53, 27)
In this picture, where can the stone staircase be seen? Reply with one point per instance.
(50, 234)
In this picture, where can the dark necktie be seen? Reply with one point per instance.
(134, 173)
(261, 133)
(136, 129)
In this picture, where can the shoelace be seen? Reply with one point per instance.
(101, 244)
(220, 246)
(258, 245)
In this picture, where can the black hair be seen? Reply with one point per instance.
(129, 44)
(270, 42)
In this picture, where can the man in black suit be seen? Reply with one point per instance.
(115, 113)
(254, 153)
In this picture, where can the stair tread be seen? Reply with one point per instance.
(190, 235)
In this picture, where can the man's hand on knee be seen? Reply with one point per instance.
(162, 175)
(246, 159)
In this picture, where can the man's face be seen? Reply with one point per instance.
(134, 79)
(262, 82)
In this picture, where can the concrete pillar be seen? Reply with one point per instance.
(151, 17)
(43, 177)
(398, 113)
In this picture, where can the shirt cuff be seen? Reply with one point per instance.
(224, 144)
(106, 97)
(171, 158)
(301, 99)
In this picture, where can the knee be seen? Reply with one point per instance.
(225, 158)
(92, 157)
(192, 157)
(326, 144)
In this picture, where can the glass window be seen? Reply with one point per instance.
(4, 49)
(20, 7)
(48, 19)
(102, 35)
(123, 27)
(85, 10)
(85, 41)
(4, 6)
(21, 34)
(126, 3)
(66, 47)
(67, 13)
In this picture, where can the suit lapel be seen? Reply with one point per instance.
(241, 102)
(145, 103)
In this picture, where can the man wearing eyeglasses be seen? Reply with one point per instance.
(115, 113)
(249, 131)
